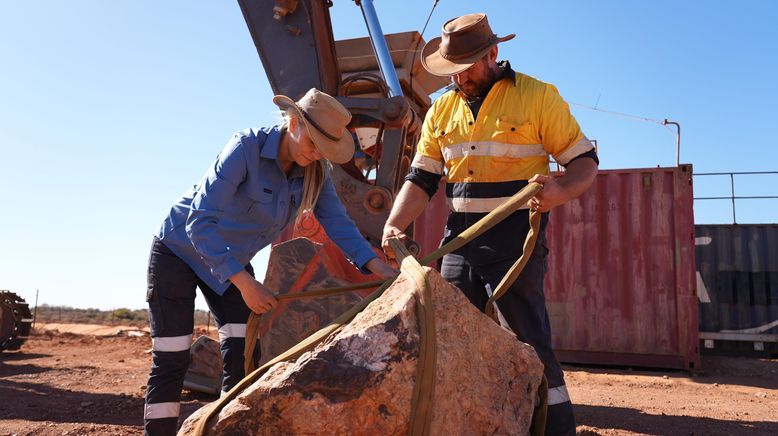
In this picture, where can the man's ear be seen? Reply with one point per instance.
(493, 53)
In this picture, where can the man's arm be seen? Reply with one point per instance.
(577, 178)
(408, 205)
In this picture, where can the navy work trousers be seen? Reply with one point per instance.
(171, 298)
(477, 269)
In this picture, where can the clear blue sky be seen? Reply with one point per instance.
(110, 110)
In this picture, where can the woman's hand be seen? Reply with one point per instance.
(257, 297)
(381, 268)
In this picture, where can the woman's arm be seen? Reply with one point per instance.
(341, 229)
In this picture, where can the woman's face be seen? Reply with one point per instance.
(301, 147)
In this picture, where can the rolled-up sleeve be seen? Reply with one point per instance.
(428, 154)
(559, 131)
(216, 190)
(341, 228)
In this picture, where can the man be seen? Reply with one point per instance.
(493, 135)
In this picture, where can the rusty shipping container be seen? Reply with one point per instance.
(620, 286)
(737, 282)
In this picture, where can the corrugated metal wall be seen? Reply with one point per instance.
(620, 287)
(738, 282)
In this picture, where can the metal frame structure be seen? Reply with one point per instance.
(732, 197)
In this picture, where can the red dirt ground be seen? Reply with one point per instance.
(68, 384)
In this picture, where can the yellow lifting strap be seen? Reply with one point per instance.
(421, 402)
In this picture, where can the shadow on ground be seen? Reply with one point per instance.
(743, 371)
(632, 420)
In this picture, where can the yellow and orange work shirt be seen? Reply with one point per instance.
(488, 159)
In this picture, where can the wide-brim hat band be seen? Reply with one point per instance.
(325, 120)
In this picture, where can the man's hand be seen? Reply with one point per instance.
(381, 268)
(578, 176)
(257, 297)
(409, 204)
(391, 231)
(551, 196)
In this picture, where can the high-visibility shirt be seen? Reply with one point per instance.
(487, 159)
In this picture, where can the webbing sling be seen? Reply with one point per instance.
(424, 388)
(424, 401)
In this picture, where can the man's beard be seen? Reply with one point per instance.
(478, 89)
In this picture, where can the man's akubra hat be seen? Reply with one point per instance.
(464, 41)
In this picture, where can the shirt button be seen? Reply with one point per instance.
(470, 172)
(513, 129)
(470, 123)
(472, 147)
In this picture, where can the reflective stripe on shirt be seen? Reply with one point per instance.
(582, 146)
(493, 149)
(427, 164)
(477, 205)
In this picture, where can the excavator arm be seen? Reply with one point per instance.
(380, 80)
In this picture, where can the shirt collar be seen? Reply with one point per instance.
(272, 146)
(272, 143)
(297, 171)
(507, 71)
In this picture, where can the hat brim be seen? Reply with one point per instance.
(437, 65)
(338, 152)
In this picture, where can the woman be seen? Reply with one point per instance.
(257, 185)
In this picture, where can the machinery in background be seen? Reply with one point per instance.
(15, 321)
(380, 80)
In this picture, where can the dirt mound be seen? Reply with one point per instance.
(92, 329)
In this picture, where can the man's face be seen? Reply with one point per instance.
(476, 80)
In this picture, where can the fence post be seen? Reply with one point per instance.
(732, 190)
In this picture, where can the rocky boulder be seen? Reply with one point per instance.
(360, 379)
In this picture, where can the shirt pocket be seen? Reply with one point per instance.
(262, 208)
(515, 132)
(450, 140)
(518, 140)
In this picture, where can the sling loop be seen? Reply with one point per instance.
(518, 266)
(424, 389)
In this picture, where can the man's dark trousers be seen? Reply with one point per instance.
(477, 269)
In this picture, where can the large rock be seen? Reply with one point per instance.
(360, 379)
(303, 264)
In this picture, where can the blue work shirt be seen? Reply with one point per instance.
(243, 203)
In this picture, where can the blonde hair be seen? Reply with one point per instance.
(313, 180)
